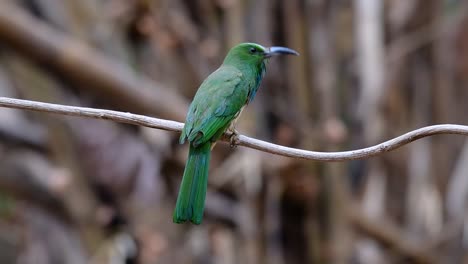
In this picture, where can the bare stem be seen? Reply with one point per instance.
(242, 140)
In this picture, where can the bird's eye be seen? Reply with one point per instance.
(253, 50)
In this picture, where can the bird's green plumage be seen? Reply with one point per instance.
(218, 101)
(191, 200)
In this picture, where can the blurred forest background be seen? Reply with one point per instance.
(75, 190)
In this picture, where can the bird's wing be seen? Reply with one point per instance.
(217, 102)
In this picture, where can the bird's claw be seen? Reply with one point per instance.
(233, 138)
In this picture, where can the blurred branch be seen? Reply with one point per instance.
(22, 175)
(388, 234)
(440, 28)
(241, 140)
(97, 73)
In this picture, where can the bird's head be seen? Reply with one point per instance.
(252, 53)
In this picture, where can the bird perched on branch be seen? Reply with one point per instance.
(217, 103)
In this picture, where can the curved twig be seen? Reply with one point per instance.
(386, 146)
(242, 140)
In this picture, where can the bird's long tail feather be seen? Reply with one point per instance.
(191, 200)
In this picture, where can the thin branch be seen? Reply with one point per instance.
(241, 140)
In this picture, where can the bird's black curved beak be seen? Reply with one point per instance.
(271, 51)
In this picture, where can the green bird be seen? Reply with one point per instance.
(217, 103)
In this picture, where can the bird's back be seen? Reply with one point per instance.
(217, 102)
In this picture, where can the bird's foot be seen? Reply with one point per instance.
(234, 137)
